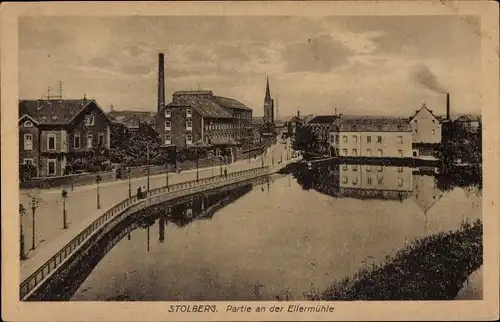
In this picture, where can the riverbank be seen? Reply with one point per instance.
(432, 268)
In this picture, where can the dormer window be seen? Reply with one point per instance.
(89, 120)
(28, 124)
(168, 112)
(189, 113)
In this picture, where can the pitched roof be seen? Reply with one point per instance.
(468, 117)
(132, 118)
(422, 108)
(206, 107)
(320, 119)
(53, 112)
(231, 103)
(381, 124)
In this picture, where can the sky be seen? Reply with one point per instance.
(367, 65)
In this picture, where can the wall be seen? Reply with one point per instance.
(422, 125)
(389, 145)
(68, 181)
(33, 153)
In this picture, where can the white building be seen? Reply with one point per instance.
(426, 132)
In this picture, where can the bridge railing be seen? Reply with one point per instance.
(55, 261)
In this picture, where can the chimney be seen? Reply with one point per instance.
(298, 114)
(448, 106)
(335, 111)
(161, 82)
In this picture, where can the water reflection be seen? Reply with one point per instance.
(362, 181)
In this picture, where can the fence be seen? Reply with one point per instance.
(35, 279)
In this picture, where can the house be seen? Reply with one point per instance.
(320, 125)
(370, 137)
(426, 132)
(132, 119)
(200, 116)
(52, 131)
(469, 123)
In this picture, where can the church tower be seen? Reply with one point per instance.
(268, 106)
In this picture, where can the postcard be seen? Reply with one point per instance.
(250, 161)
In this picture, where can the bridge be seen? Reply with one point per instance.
(32, 287)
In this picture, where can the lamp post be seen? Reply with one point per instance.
(98, 180)
(197, 164)
(64, 195)
(213, 163)
(166, 174)
(22, 212)
(34, 205)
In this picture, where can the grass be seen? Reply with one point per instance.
(432, 268)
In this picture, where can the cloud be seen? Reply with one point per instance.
(134, 50)
(100, 61)
(318, 54)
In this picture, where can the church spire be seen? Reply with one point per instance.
(268, 92)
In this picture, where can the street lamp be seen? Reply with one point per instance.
(34, 205)
(166, 174)
(148, 164)
(98, 180)
(64, 195)
(22, 212)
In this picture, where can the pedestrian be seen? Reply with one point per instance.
(139, 193)
(225, 172)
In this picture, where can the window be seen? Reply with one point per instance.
(189, 125)
(380, 179)
(368, 168)
(433, 131)
(336, 138)
(369, 180)
(28, 124)
(51, 142)
(416, 121)
(189, 113)
(168, 125)
(51, 167)
(76, 141)
(168, 139)
(189, 139)
(28, 161)
(368, 153)
(379, 139)
(89, 141)
(354, 167)
(344, 167)
(354, 152)
(355, 139)
(399, 140)
(28, 142)
(345, 179)
(89, 120)
(416, 131)
(344, 138)
(355, 181)
(100, 139)
(400, 169)
(380, 168)
(400, 182)
(344, 152)
(217, 152)
(168, 113)
(433, 121)
(400, 153)
(379, 152)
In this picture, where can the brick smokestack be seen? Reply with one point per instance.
(448, 106)
(161, 81)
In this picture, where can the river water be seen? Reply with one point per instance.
(279, 240)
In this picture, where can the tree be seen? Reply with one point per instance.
(305, 140)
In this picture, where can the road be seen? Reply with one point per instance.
(82, 201)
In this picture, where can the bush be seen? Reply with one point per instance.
(433, 268)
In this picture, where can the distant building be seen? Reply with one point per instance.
(132, 119)
(200, 116)
(50, 131)
(320, 126)
(468, 123)
(371, 137)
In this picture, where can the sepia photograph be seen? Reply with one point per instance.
(217, 162)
